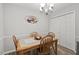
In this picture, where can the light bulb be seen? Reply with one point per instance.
(42, 4)
(51, 5)
(41, 9)
(46, 10)
(51, 8)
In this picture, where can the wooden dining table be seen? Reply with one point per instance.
(30, 44)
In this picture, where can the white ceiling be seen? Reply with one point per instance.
(36, 6)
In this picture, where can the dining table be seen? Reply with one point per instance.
(30, 44)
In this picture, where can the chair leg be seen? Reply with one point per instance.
(56, 48)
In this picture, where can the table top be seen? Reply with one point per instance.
(28, 42)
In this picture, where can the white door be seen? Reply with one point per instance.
(64, 28)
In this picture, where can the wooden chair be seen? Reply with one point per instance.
(16, 43)
(19, 50)
(46, 44)
(55, 40)
(51, 33)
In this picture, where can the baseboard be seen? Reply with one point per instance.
(8, 52)
(67, 48)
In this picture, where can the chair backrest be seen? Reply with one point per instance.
(15, 41)
(45, 43)
(51, 33)
(34, 34)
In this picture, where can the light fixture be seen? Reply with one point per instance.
(31, 19)
(46, 7)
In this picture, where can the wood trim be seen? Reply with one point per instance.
(66, 13)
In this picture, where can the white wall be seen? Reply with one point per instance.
(14, 20)
(69, 8)
(66, 9)
(1, 20)
(15, 23)
(1, 28)
(64, 28)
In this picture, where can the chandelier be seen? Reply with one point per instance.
(46, 7)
